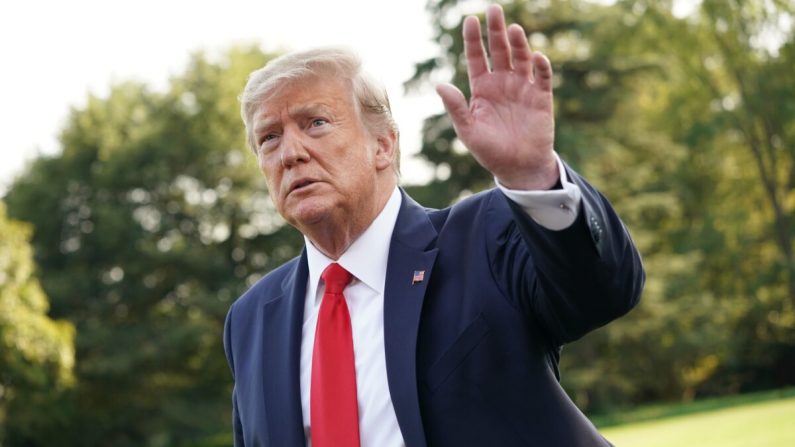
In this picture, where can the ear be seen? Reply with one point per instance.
(386, 150)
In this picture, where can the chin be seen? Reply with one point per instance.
(308, 214)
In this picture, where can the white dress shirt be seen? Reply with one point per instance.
(554, 209)
(366, 259)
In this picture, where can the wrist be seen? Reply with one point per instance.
(543, 178)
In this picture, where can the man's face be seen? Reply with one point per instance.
(320, 162)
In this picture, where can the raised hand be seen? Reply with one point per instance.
(508, 124)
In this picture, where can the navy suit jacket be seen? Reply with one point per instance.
(471, 350)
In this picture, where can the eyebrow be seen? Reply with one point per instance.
(302, 110)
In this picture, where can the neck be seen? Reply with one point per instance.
(333, 239)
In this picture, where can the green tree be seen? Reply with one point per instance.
(666, 115)
(597, 77)
(728, 68)
(36, 353)
(148, 224)
(589, 82)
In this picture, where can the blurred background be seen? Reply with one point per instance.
(132, 213)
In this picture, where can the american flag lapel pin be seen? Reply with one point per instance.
(419, 275)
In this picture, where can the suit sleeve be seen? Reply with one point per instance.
(236, 424)
(575, 279)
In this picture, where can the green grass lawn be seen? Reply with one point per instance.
(758, 424)
(762, 419)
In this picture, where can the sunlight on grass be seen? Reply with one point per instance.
(766, 424)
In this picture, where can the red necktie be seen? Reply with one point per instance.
(334, 411)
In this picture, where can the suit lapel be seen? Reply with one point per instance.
(403, 298)
(283, 319)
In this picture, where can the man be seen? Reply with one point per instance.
(400, 325)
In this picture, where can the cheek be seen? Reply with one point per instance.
(268, 167)
(275, 195)
(262, 163)
(272, 179)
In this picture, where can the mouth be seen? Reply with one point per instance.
(300, 184)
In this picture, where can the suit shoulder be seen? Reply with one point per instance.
(474, 205)
(268, 287)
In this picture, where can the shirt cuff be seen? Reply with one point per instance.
(552, 209)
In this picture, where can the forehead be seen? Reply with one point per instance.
(304, 95)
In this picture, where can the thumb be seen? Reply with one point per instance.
(456, 105)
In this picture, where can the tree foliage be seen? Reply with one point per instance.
(684, 123)
(153, 219)
(36, 353)
(147, 225)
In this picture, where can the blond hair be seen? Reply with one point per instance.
(372, 102)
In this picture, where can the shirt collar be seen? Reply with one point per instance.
(367, 256)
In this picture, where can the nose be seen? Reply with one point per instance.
(293, 150)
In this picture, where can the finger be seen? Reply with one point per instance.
(473, 49)
(520, 50)
(542, 71)
(498, 39)
(456, 105)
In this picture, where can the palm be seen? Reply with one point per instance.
(508, 124)
(508, 118)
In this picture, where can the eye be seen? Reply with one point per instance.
(266, 138)
(317, 122)
(268, 142)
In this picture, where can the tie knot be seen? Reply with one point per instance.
(336, 278)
